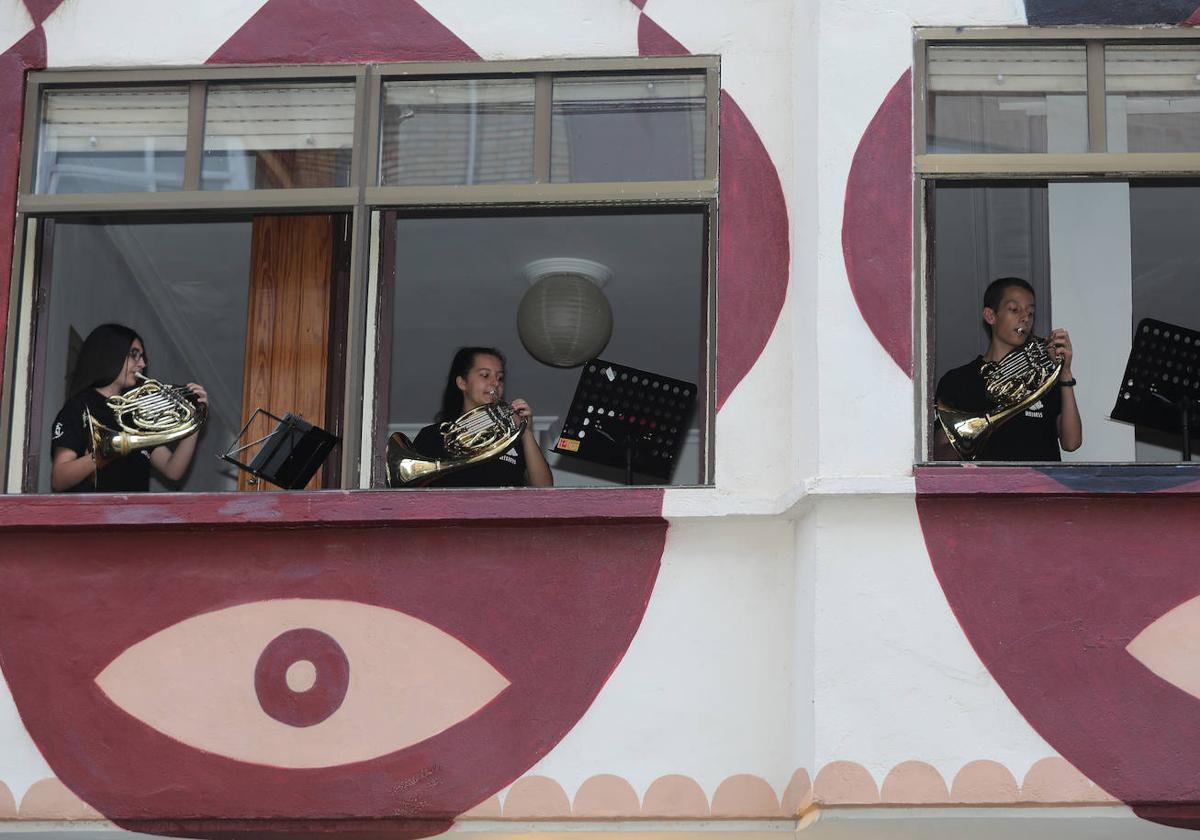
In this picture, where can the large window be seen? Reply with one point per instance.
(318, 240)
(1073, 163)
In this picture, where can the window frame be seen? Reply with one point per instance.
(1095, 165)
(364, 200)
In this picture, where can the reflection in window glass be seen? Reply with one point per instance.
(1153, 97)
(639, 128)
(116, 140)
(468, 131)
(278, 136)
(1007, 99)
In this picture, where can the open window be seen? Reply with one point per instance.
(317, 240)
(1074, 165)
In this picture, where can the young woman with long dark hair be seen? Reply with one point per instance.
(476, 378)
(109, 361)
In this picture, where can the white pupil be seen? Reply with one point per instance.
(301, 676)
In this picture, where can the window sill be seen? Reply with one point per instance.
(328, 508)
(949, 479)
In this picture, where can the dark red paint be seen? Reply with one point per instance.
(341, 31)
(1050, 591)
(654, 40)
(1193, 19)
(1064, 479)
(369, 508)
(752, 240)
(552, 607)
(27, 54)
(877, 224)
(39, 10)
(306, 708)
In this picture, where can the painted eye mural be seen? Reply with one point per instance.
(261, 683)
(398, 675)
(1087, 622)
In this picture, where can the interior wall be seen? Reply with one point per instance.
(1090, 259)
(1166, 276)
(981, 234)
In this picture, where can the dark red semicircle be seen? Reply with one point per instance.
(341, 31)
(753, 256)
(877, 224)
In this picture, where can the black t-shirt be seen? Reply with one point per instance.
(505, 470)
(130, 474)
(1032, 435)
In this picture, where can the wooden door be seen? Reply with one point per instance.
(288, 324)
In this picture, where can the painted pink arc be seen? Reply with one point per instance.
(877, 224)
(1193, 18)
(752, 238)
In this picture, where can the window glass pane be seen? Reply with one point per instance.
(1153, 97)
(278, 136)
(639, 128)
(183, 288)
(116, 140)
(470, 131)
(471, 275)
(1007, 99)
(1100, 256)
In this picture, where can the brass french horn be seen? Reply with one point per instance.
(482, 433)
(1015, 382)
(149, 415)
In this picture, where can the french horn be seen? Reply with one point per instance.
(148, 415)
(480, 434)
(1015, 382)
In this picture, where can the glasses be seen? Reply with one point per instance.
(136, 354)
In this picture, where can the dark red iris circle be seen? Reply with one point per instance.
(323, 698)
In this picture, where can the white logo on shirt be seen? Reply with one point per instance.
(510, 457)
(1034, 410)
(58, 431)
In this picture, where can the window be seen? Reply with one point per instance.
(319, 239)
(1073, 163)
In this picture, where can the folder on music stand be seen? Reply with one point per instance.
(1161, 386)
(626, 417)
(287, 457)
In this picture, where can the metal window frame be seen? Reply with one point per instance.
(1097, 164)
(363, 199)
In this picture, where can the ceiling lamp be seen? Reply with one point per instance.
(565, 319)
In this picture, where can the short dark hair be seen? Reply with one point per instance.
(101, 357)
(994, 293)
(460, 365)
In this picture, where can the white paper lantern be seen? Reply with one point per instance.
(565, 319)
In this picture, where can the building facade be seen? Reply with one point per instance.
(818, 629)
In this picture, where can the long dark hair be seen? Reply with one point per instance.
(464, 360)
(101, 357)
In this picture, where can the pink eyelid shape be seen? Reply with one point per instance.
(195, 682)
(1170, 646)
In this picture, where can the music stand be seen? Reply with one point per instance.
(288, 456)
(1161, 386)
(626, 417)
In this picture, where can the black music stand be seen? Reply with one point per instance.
(1161, 386)
(288, 456)
(629, 418)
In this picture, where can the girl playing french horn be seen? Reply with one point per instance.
(110, 363)
(476, 378)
